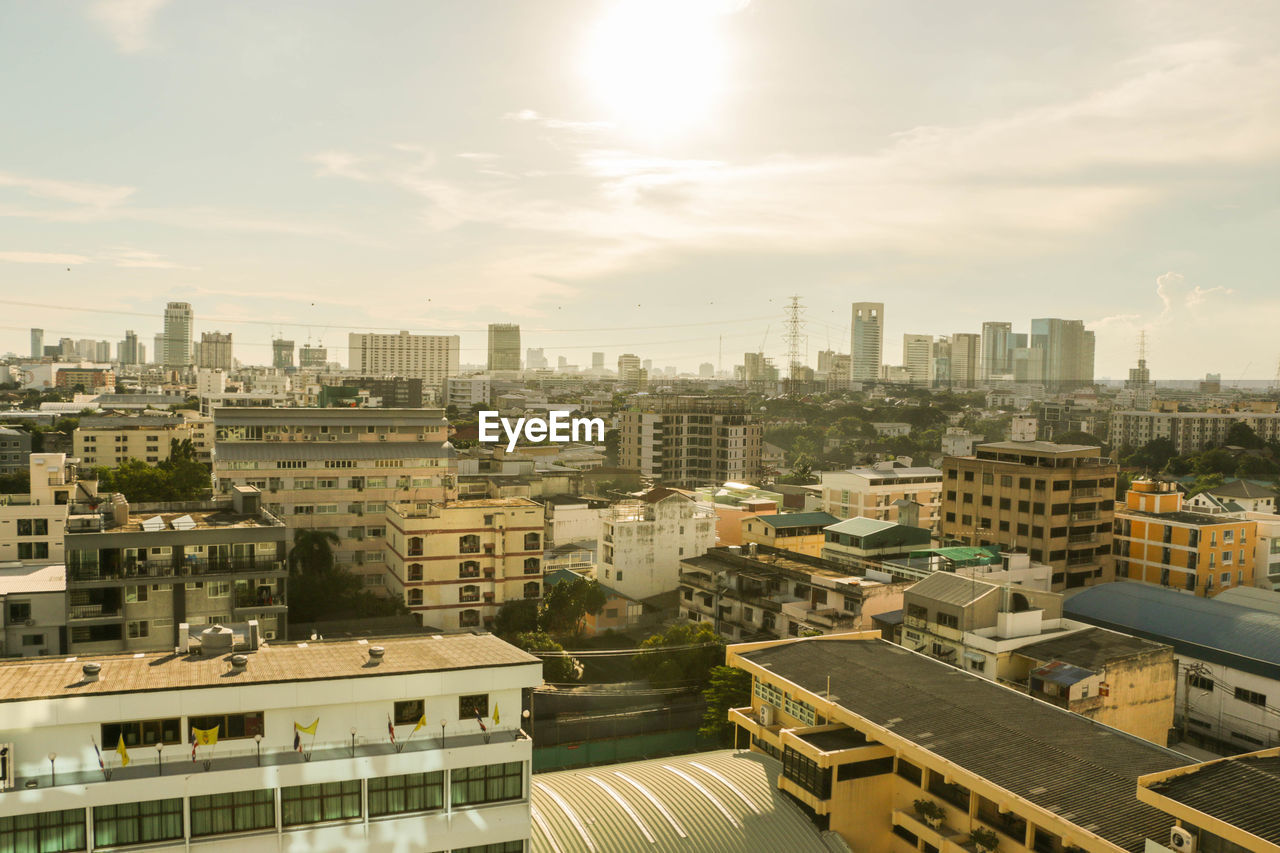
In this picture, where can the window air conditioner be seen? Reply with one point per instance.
(1181, 840)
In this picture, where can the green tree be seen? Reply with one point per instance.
(1077, 436)
(684, 653)
(612, 439)
(801, 471)
(566, 604)
(729, 687)
(516, 616)
(1256, 467)
(312, 552)
(1153, 456)
(1240, 434)
(320, 590)
(1214, 461)
(557, 668)
(182, 450)
(17, 483)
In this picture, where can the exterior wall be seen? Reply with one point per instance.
(1217, 714)
(109, 446)
(433, 358)
(1140, 696)
(1266, 550)
(846, 494)
(755, 530)
(45, 633)
(1190, 432)
(691, 445)
(15, 450)
(568, 523)
(447, 585)
(642, 544)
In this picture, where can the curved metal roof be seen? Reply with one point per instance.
(718, 802)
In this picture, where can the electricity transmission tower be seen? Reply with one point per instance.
(794, 337)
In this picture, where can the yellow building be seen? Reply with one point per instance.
(456, 562)
(801, 532)
(110, 440)
(898, 752)
(1159, 542)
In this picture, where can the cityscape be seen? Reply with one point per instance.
(705, 426)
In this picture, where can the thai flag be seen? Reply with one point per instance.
(480, 720)
(297, 740)
(391, 730)
(193, 744)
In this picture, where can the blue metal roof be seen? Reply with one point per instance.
(1239, 637)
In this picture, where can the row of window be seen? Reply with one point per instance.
(33, 527)
(470, 593)
(471, 569)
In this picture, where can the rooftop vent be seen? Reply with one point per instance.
(238, 663)
(376, 653)
(91, 671)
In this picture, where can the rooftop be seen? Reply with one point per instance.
(792, 520)
(1242, 489)
(269, 451)
(1057, 760)
(1233, 790)
(330, 417)
(28, 679)
(1182, 516)
(894, 473)
(860, 526)
(208, 519)
(1091, 648)
(949, 588)
(1203, 628)
(724, 801)
(20, 578)
(1251, 596)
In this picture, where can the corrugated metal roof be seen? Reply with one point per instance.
(1243, 638)
(787, 521)
(950, 589)
(717, 802)
(1235, 790)
(860, 526)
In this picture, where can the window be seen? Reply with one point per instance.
(414, 792)
(137, 823)
(415, 546)
(408, 711)
(862, 769)
(230, 726)
(1251, 697)
(469, 544)
(301, 804)
(142, 732)
(491, 783)
(415, 571)
(19, 611)
(48, 832)
(468, 618)
(33, 550)
(532, 589)
(33, 640)
(806, 773)
(469, 569)
(238, 811)
(138, 630)
(134, 594)
(910, 772)
(948, 620)
(470, 592)
(473, 705)
(532, 565)
(414, 598)
(532, 541)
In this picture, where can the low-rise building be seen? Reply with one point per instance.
(801, 532)
(455, 563)
(376, 745)
(877, 492)
(111, 440)
(1234, 496)
(618, 613)
(643, 541)
(855, 541)
(1218, 804)
(15, 450)
(32, 526)
(33, 609)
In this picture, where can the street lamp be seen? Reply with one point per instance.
(528, 719)
(353, 741)
(52, 774)
(159, 766)
(257, 744)
(442, 724)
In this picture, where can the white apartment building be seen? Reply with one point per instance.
(337, 470)
(643, 542)
(917, 358)
(32, 526)
(467, 392)
(874, 492)
(1190, 432)
(33, 609)
(571, 520)
(110, 440)
(958, 441)
(432, 358)
(350, 785)
(456, 562)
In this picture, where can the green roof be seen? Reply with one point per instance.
(963, 555)
(788, 520)
(860, 526)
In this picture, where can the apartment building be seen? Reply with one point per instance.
(15, 450)
(855, 541)
(136, 575)
(33, 609)
(866, 338)
(760, 592)
(1158, 541)
(687, 442)
(432, 358)
(337, 470)
(1052, 501)
(878, 491)
(869, 734)
(1190, 432)
(801, 532)
(212, 764)
(643, 541)
(215, 351)
(456, 562)
(32, 526)
(110, 440)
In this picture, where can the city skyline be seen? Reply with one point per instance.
(318, 174)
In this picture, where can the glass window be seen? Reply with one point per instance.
(230, 726)
(475, 705)
(500, 847)
(408, 711)
(137, 823)
(415, 792)
(47, 832)
(301, 804)
(142, 732)
(238, 811)
(490, 783)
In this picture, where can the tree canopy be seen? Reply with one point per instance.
(729, 687)
(320, 590)
(565, 606)
(685, 653)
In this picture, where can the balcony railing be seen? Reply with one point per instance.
(80, 570)
(1082, 538)
(1086, 493)
(1084, 515)
(92, 611)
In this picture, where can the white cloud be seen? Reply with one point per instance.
(71, 192)
(60, 259)
(128, 22)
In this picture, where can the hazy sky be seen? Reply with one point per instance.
(648, 175)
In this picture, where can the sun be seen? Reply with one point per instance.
(657, 65)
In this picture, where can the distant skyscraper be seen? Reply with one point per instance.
(102, 352)
(966, 349)
(432, 358)
(127, 351)
(178, 320)
(312, 358)
(215, 350)
(917, 358)
(37, 343)
(157, 346)
(282, 354)
(535, 359)
(1067, 350)
(504, 346)
(597, 361)
(867, 354)
(997, 350)
(706, 370)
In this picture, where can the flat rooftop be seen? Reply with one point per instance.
(718, 560)
(1057, 760)
(20, 578)
(43, 678)
(1036, 447)
(215, 519)
(1091, 648)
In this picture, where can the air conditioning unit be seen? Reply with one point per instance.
(421, 437)
(30, 623)
(382, 438)
(333, 438)
(308, 438)
(7, 764)
(1181, 840)
(766, 715)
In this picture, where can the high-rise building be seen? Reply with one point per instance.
(504, 346)
(630, 371)
(312, 358)
(997, 350)
(37, 343)
(215, 350)
(917, 358)
(597, 361)
(282, 354)
(157, 349)
(867, 353)
(432, 358)
(67, 348)
(942, 362)
(688, 442)
(966, 349)
(178, 321)
(102, 351)
(535, 359)
(1066, 351)
(128, 350)
(756, 367)
(706, 370)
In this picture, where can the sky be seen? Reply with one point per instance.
(656, 177)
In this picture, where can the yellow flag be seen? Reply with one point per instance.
(496, 721)
(124, 753)
(311, 729)
(206, 737)
(422, 721)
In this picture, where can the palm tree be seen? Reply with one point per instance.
(312, 552)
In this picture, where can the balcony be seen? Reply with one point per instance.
(1086, 492)
(1085, 515)
(86, 571)
(93, 611)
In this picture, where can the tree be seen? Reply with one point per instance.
(182, 450)
(1240, 434)
(730, 687)
(171, 480)
(801, 471)
(1214, 461)
(612, 439)
(566, 604)
(312, 552)
(516, 616)
(556, 668)
(320, 590)
(1154, 455)
(1257, 467)
(1077, 436)
(684, 653)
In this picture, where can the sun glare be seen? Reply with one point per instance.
(657, 65)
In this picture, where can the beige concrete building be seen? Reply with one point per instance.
(643, 541)
(1053, 501)
(688, 442)
(801, 532)
(432, 358)
(109, 440)
(455, 562)
(875, 492)
(32, 526)
(337, 470)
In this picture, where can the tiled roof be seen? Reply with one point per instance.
(284, 662)
(1062, 762)
(1241, 791)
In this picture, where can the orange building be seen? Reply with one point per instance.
(1157, 541)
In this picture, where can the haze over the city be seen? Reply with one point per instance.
(654, 177)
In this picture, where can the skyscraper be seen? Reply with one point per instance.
(313, 358)
(1066, 350)
(215, 350)
(504, 346)
(965, 353)
(158, 345)
(282, 354)
(535, 359)
(867, 340)
(127, 351)
(37, 343)
(917, 358)
(997, 350)
(597, 361)
(178, 319)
